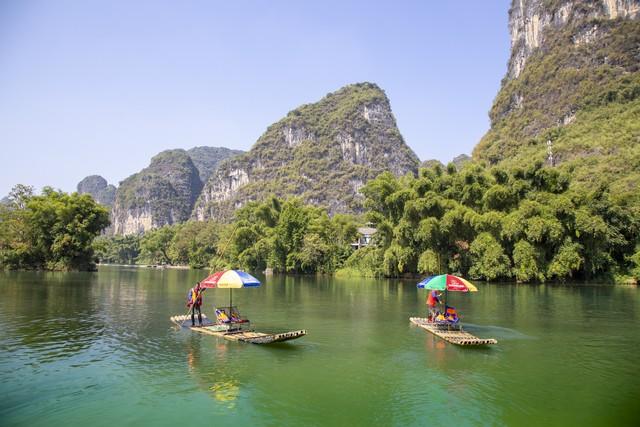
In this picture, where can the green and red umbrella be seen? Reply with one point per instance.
(447, 282)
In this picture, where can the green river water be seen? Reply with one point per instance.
(98, 349)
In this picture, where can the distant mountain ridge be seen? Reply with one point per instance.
(162, 193)
(322, 152)
(207, 159)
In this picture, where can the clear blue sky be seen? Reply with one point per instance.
(98, 87)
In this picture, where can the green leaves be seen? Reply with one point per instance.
(567, 260)
(54, 230)
(497, 224)
(489, 259)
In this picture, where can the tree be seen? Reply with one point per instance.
(53, 231)
(289, 235)
(489, 260)
(154, 246)
(117, 249)
(429, 263)
(566, 261)
(526, 262)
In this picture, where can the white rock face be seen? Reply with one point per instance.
(587, 35)
(295, 135)
(528, 19)
(135, 222)
(223, 188)
(356, 184)
(353, 149)
(374, 113)
(237, 178)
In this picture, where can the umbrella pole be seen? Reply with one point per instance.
(230, 301)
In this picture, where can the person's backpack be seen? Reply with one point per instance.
(189, 297)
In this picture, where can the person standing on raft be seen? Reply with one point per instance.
(433, 299)
(195, 301)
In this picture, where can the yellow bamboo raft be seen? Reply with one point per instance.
(454, 336)
(236, 332)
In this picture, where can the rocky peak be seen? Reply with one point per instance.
(95, 185)
(461, 160)
(323, 152)
(528, 20)
(162, 193)
(207, 159)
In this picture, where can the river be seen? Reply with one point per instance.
(98, 349)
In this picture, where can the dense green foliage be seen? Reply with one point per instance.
(320, 152)
(117, 249)
(523, 224)
(285, 236)
(290, 237)
(52, 231)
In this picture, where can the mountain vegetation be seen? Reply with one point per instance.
(579, 91)
(207, 159)
(163, 193)
(322, 152)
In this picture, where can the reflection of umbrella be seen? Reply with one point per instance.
(230, 279)
(447, 282)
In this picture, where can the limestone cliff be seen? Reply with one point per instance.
(101, 191)
(529, 20)
(163, 193)
(571, 96)
(323, 152)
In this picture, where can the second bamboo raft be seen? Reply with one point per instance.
(454, 336)
(238, 334)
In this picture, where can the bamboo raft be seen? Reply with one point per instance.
(455, 336)
(237, 332)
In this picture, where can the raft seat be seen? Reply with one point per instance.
(224, 315)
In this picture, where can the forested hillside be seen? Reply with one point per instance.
(322, 152)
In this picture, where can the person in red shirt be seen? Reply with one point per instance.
(433, 299)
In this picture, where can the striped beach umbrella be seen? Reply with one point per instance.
(230, 279)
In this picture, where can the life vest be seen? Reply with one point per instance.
(194, 296)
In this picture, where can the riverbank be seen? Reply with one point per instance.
(352, 273)
(156, 266)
